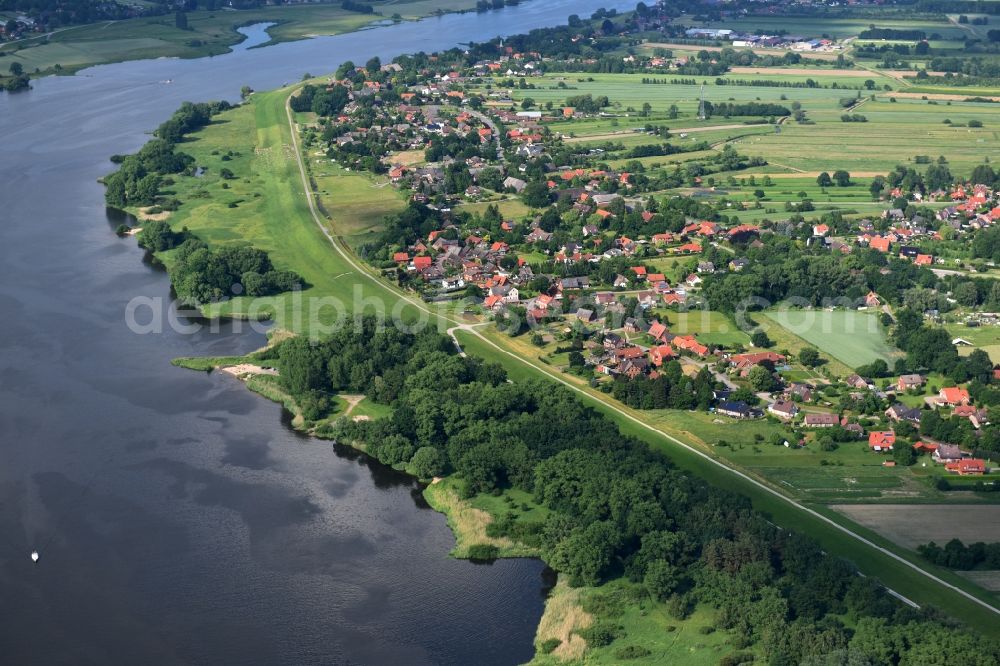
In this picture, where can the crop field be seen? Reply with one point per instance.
(896, 132)
(912, 525)
(855, 338)
(988, 580)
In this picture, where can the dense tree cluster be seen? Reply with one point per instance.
(616, 508)
(893, 34)
(200, 274)
(956, 555)
(780, 269)
(322, 101)
(671, 389)
(137, 181)
(727, 109)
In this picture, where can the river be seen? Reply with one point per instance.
(178, 518)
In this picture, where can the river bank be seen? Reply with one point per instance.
(208, 33)
(163, 501)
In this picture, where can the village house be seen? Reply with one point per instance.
(737, 409)
(900, 412)
(952, 396)
(802, 391)
(946, 453)
(881, 440)
(907, 382)
(821, 420)
(977, 417)
(968, 467)
(858, 382)
(783, 409)
(744, 361)
(660, 354)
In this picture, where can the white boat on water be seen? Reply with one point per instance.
(34, 556)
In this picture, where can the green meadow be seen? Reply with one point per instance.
(855, 338)
(209, 33)
(896, 132)
(264, 204)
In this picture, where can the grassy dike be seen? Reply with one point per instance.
(273, 212)
(874, 560)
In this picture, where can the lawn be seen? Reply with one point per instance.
(709, 326)
(986, 338)
(264, 205)
(855, 338)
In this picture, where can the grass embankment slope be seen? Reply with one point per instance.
(208, 33)
(264, 204)
(838, 536)
(280, 222)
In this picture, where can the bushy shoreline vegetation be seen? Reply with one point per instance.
(615, 508)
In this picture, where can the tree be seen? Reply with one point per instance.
(661, 579)
(373, 65)
(760, 378)
(869, 84)
(181, 21)
(809, 357)
(427, 463)
(759, 339)
(824, 180)
(842, 178)
(16, 69)
(536, 194)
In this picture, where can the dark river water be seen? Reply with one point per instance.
(178, 519)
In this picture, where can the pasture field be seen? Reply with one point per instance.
(913, 525)
(710, 326)
(264, 205)
(986, 338)
(895, 132)
(510, 208)
(855, 338)
(346, 197)
(210, 33)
